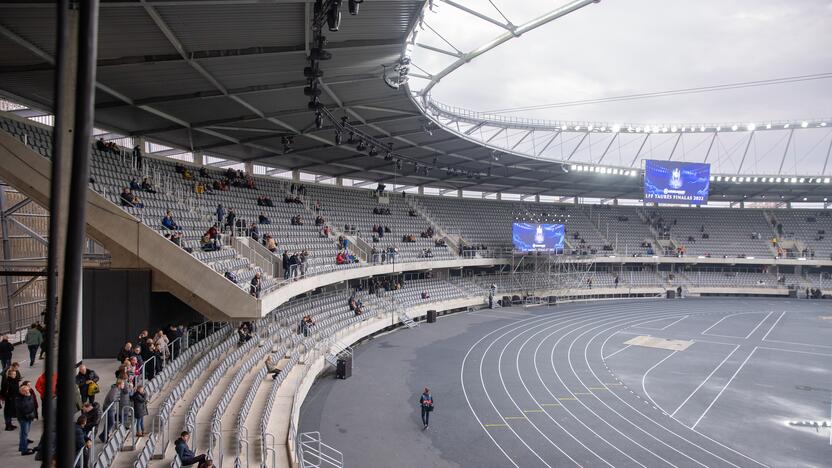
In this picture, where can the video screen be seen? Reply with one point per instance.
(529, 237)
(676, 182)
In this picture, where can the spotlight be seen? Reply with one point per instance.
(351, 138)
(319, 120)
(361, 146)
(337, 138)
(353, 6)
(287, 142)
(312, 90)
(333, 16)
(373, 151)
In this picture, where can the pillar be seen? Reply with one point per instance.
(249, 168)
(339, 181)
(296, 176)
(499, 195)
(537, 198)
(459, 193)
(199, 158)
(421, 190)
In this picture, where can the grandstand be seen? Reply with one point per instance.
(276, 194)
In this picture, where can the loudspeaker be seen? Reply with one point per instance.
(344, 368)
(671, 294)
(431, 316)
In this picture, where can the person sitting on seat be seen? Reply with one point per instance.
(254, 232)
(186, 455)
(207, 244)
(243, 334)
(256, 285)
(262, 219)
(271, 244)
(425, 295)
(168, 222)
(319, 220)
(147, 185)
(271, 366)
(134, 184)
(128, 198)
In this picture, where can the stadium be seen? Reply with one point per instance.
(401, 233)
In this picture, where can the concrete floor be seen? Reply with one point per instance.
(105, 368)
(559, 387)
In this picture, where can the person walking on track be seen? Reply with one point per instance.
(426, 402)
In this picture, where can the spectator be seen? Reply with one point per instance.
(80, 435)
(254, 232)
(262, 219)
(319, 221)
(26, 411)
(285, 264)
(256, 285)
(134, 184)
(294, 262)
(34, 338)
(317, 206)
(6, 350)
(137, 155)
(128, 198)
(267, 201)
(92, 411)
(186, 455)
(271, 366)
(229, 220)
(425, 295)
(147, 185)
(125, 352)
(325, 231)
(139, 399)
(271, 244)
(87, 382)
(113, 398)
(303, 257)
(9, 391)
(168, 222)
(220, 212)
(100, 145)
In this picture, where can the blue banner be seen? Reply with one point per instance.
(676, 182)
(538, 237)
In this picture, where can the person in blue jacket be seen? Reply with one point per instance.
(426, 403)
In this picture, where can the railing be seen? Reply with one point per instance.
(314, 453)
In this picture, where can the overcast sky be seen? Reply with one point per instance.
(619, 47)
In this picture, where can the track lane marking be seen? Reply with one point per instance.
(736, 347)
(723, 388)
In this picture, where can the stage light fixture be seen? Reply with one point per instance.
(319, 120)
(361, 146)
(353, 6)
(333, 16)
(804, 124)
(734, 127)
(373, 151)
(337, 138)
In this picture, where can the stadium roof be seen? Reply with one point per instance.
(226, 78)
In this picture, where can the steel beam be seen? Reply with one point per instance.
(638, 153)
(673, 151)
(744, 153)
(785, 152)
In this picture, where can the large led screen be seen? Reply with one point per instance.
(530, 237)
(676, 182)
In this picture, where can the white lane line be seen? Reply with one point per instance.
(644, 379)
(560, 379)
(468, 400)
(613, 354)
(575, 374)
(775, 324)
(705, 332)
(697, 340)
(723, 388)
(795, 351)
(808, 345)
(530, 320)
(674, 323)
(736, 347)
(758, 325)
(667, 429)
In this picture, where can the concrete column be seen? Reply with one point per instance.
(199, 158)
(339, 181)
(459, 193)
(421, 190)
(296, 176)
(499, 196)
(742, 204)
(249, 168)
(537, 198)
(615, 202)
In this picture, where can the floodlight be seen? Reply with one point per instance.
(768, 126)
(823, 124)
(673, 128)
(702, 128)
(804, 124)
(718, 128)
(577, 127)
(751, 127)
(333, 16)
(786, 126)
(353, 6)
(590, 127)
(734, 127)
